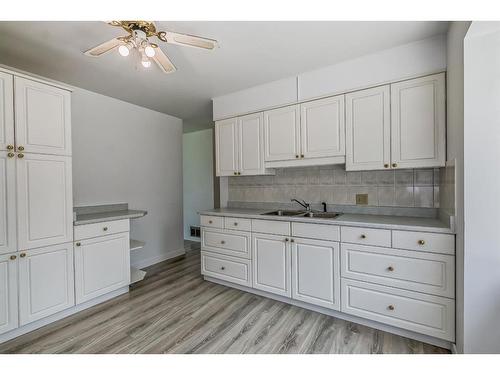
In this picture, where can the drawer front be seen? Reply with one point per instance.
(101, 229)
(226, 242)
(271, 227)
(420, 272)
(236, 223)
(235, 270)
(429, 315)
(317, 231)
(212, 221)
(366, 236)
(431, 242)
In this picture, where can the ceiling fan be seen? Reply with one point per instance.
(137, 40)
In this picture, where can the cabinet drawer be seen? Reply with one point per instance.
(237, 223)
(431, 242)
(366, 236)
(318, 231)
(420, 272)
(100, 229)
(271, 227)
(227, 268)
(227, 242)
(429, 315)
(212, 221)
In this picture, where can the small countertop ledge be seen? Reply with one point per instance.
(420, 224)
(97, 214)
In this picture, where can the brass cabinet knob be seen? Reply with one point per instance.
(239, 173)
(394, 165)
(363, 236)
(78, 244)
(296, 156)
(20, 156)
(22, 255)
(386, 165)
(390, 268)
(10, 155)
(235, 173)
(292, 240)
(235, 224)
(421, 242)
(210, 221)
(105, 229)
(302, 156)
(10, 147)
(20, 148)
(223, 268)
(223, 242)
(390, 307)
(286, 239)
(13, 257)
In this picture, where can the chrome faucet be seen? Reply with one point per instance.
(307, 206)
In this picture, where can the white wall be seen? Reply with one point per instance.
(198, 177)
(126, 153)
(482, 184)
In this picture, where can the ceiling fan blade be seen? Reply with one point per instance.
(187, 40)
(104, 47)
(163, 61)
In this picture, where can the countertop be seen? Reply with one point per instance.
(421, 224)
(100, 213)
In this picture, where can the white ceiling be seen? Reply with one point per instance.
(250, 53)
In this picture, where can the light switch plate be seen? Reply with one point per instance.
(361, 198)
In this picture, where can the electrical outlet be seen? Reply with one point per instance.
(361, 198)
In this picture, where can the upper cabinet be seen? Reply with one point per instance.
(282, 134)
(226, 144)
(6, 112)
(398, 126)
(43, 118)
(418, 128)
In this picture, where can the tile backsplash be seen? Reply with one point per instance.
(333, 185)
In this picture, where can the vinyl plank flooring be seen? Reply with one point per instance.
(173, 310)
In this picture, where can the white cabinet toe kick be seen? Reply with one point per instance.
(395, 280)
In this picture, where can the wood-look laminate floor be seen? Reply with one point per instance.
(175, 311)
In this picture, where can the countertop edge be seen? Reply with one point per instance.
(129, 214)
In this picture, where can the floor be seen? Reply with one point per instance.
(175, 311)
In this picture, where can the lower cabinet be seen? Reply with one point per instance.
(233, 269)
(46, 282)
(102, 265)
(8, 293)
(271, 264)
(315, 272)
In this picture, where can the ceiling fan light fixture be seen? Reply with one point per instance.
(149, 51)
(145, 62)
(124, 50)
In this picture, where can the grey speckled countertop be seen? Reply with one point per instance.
(97, 214)
(362, 220)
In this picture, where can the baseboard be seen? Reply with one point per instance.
(143, 263)
(193, 239)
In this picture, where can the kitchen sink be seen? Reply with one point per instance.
(284, 213)
(316, 215)
(321, 215)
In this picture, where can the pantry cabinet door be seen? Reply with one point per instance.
(250, 144)
(282, 134)
(322, 127)
(226, 147)
(368, 129)
(7, 203)
(46, 282)
(418, 126)
(6, 111)
(44, 200)
(8, 293)
(43, 118)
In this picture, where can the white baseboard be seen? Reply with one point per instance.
(143, 263)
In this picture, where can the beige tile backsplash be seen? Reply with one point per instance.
(333, 185)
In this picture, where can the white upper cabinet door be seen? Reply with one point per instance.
(43, 118)
(418, 123)
(44, 200)
(226, 147)
(322, 127)
(7, 203)
(316, 272)
(282, 134)
(46, 282)
(6, 111)
(251, 142)
(368, 129)
(271, 264)
(8, 293)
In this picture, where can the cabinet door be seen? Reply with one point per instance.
(316, 272)
(46, 282)
(250, 142)
(368, 129)
(271, 264)
(7, 204)
(282, 134)
(43, 118)
(8, 293)
(6, 111)
(102, 265)
(418, 122)
(226, 147)
(44, 200)
(322, 127)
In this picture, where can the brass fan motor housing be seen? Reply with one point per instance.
(146, 27)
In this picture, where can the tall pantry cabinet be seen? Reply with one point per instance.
(36, 204)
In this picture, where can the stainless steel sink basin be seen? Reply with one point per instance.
(321, 215)
(284, 213)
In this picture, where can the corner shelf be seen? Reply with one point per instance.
(136, 244)
(136, 275)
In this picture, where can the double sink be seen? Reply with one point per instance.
(309, 214)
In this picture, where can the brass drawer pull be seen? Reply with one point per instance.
(286, 239)
(390, 307)
(20, 156)
(223, 242)
(296, 156)
(22, 255)
(394, 165)
(78, 244)
(292, 240)
(223, 268)
(10, 147)
(421, 242)
(13, 257)
(210, 221)
(20, 148)
(105, 229)
(363, 236)
(10, 155)
(235, 224)
(390, 268)
(386, 165)
(302, 156)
